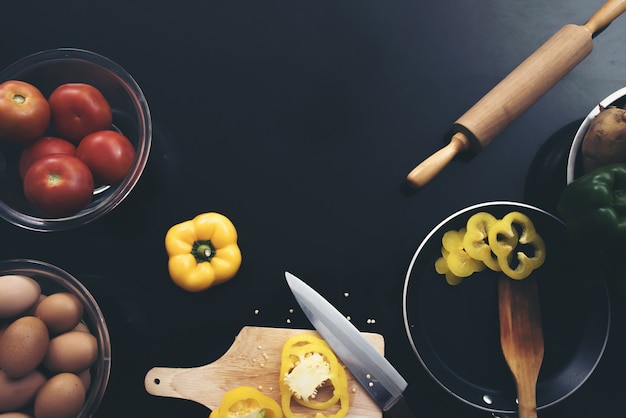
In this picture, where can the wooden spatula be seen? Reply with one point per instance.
(521, 338)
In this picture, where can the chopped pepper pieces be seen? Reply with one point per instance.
(307, 364)
(503, 239)
(202, 252)
(246, 402)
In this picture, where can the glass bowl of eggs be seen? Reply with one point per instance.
(55, 351)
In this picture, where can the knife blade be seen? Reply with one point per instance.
(371, 369)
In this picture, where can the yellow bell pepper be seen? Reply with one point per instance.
(246, 402)
(503, 241)
(307, 363)
(202, 252)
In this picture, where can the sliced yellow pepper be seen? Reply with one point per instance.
(460, 263)
(490, 242)
(307, 363)
(246, 402)
(503, 241)
(202, 251)
(475, 241)
(441, 266)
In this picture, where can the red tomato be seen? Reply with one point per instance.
(24, 112)
(108, 154)
(42, 147)
(77, 110)
(58, 185)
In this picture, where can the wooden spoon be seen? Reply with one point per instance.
(521, 338)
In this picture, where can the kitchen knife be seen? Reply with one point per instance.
(475, 129)
(379, 378)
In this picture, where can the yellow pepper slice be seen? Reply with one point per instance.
(307, 363)
(202, 251)
(503, 241)
(476, 242)
(441, 267)
(460, 263)
(246, 402)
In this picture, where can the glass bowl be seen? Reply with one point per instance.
(574, 159)
(131, 116)
(53, 279)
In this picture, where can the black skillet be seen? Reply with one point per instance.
(454, 330)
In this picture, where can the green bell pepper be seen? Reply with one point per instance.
(593, 207)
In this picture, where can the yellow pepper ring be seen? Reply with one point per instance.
(460, 263)
(335, 368)
(245, 399)
(476, 242)
(503, 239)
(302, 339)
(340, 394)
(441, 267)
(293, 350)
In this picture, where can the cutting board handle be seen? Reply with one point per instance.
(610, 11)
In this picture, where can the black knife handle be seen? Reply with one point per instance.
(399, 409)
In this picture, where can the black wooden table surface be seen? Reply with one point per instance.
(299, 121)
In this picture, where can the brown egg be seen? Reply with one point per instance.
(60, 312)
(62, 396)
(16, 393)
(15, 415)
(31, 311)
(23, 346)
(72, 351)
(17, 294)
(81, 327)
(85, 377)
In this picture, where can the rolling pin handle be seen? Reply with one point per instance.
(610, 11)
(430, 167)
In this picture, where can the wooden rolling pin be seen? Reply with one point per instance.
(518, 91)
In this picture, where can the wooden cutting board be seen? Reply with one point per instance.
(252, 360)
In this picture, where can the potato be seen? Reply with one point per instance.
(605, 141)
